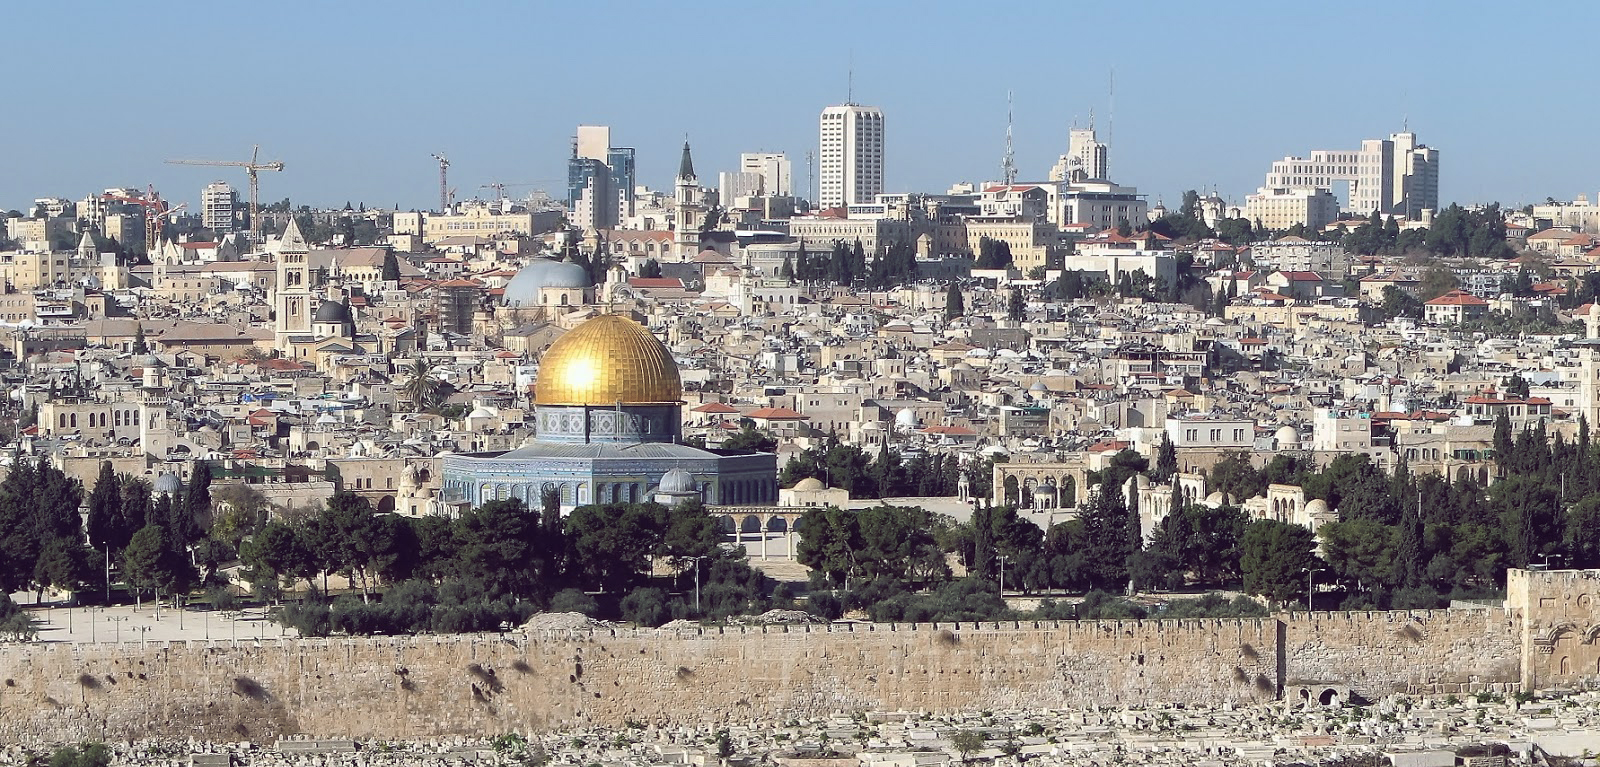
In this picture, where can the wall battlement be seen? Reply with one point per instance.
(425, 686)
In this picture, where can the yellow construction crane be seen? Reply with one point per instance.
(251, 168)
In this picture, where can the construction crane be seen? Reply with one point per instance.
(500, 187)
(251, 168)
(444, 184)
(155, 209)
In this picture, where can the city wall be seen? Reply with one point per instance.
(406, 687)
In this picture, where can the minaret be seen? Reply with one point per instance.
(687, 215)
(153, 433)
(293, 297)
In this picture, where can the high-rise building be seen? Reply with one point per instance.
(851, 156)
(1086, 158)
(600, 179)
(219, 208)
(1395, 176)
(776, 172)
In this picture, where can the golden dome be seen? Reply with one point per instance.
(608, 360)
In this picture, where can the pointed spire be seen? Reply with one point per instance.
(686, 165)
(292, 241)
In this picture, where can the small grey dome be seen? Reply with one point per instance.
(168, 483)
(332, 311)
(677, 481)
(523, 288)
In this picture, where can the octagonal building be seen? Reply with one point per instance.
(607, 418)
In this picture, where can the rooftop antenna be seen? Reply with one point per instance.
(1008, 166)
(850, 81)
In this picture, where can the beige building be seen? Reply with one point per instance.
(1280, 208)
(485, 221)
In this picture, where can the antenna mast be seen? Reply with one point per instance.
(811, 179)
(1111, 119)
(1008, 166)
(850, 81)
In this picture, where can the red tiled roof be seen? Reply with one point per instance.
(1457, 298)
(655, 282)
(777, 414)
(715, 407)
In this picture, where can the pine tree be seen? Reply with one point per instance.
(983, 548)
(140, 347)
(955, 303)
(1166, 460)
(391, 266)
(1015, 308)
(106, 530)
(787, 272)
(197, 501)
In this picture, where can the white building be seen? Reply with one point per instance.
(219, 207)
(851, 156)
(1200, 431)
(1280, 208)
(1086, 158)
(1334, 430)
(1580, 214)
(773, 168)
(1100, 204)
(1394, 176)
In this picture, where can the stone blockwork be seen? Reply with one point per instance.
(424, 686)
(1374, 654)
(410, 687)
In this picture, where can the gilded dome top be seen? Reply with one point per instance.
(608, 360)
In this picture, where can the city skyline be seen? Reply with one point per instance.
(339, 112)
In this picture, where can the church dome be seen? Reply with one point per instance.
(332, 311)
(677, 481)
(523, 288)
(810, 485)
(168, 484)
(609, 360)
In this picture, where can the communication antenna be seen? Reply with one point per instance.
(1008, 166)
(850, 80)
(1111, 118)
(811, 178)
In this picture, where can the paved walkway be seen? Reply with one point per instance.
(150, 624)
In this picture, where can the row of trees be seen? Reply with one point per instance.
(508, 559)
(886, 476)
(1400, 539)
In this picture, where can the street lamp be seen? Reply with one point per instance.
(697, 583)
(1310, 573)
(1547, 558)
(1002, 576)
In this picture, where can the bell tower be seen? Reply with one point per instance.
(293, 297)
(689, 207)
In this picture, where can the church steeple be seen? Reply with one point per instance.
(686, 165)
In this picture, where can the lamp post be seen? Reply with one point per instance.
(697, 583)
(1002, 558)
(1310, 574)
(1548, 557)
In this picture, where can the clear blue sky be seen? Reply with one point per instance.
(354, 96)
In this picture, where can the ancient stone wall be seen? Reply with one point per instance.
(426, 686)
(423, 686)
(1420, 651)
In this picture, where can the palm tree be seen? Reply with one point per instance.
(422, 388)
